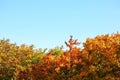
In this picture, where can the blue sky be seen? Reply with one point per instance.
(48, 23)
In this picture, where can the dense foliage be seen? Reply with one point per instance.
(99, 59)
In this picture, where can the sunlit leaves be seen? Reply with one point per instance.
(99, 59)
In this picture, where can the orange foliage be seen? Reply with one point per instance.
(98, 60)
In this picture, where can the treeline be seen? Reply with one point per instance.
(99, 59)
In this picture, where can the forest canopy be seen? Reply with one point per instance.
(99, 59)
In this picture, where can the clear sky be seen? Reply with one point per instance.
(48, 23)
